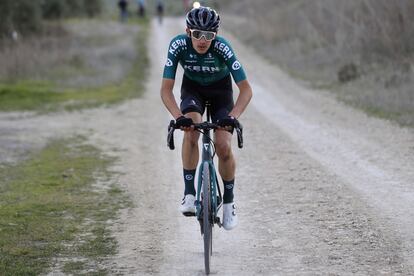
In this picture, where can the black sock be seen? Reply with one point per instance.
(228, 191)
(189, 181)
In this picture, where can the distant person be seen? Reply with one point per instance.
(123, 8)
(141, 8)
(209, 63)
(160, 10)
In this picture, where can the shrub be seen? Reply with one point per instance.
(22, 16)
(93, 7)
(348, 72)
(75, 7)
(25, 16)
(54, 9)
(5, 18)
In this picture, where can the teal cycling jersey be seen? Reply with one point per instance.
(205, 69)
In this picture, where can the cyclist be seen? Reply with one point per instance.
(207, 60)
(160, 10)
(141, 8)
(123, 7)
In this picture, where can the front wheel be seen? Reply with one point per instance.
(207, 222)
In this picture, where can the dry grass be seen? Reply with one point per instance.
(76, 55)
(314, 39)
(30, 56)
(96, 63)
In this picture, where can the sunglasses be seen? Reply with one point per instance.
(197, 34)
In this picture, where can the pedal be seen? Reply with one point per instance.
(189, 214)
(217, 221)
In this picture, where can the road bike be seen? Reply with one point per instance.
(209, 197)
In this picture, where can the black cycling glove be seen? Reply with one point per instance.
(183, 121)
(228, 121)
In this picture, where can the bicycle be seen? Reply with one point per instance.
(208, 189)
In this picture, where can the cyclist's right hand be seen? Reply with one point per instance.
(184, 123)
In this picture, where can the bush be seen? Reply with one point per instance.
(75, 7)
(93, 7)
(54, 9)
(25, 16)
(5, 18)
(89, 8)
(22, 16)
(347, 73)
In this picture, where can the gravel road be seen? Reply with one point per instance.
(322, 189)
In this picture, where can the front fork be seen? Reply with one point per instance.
(215, 195)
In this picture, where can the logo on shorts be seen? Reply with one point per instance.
(169, 63)
(236, 65)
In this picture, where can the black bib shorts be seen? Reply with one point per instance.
(219, 94)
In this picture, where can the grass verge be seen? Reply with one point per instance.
(52, 212)
(46, 96)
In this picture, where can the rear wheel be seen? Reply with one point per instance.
(207, 222)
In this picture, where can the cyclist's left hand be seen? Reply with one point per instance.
(228, 122)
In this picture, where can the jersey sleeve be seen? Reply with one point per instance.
(177, 45)
(224, 49)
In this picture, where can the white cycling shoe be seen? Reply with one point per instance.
(229, 216)
(187, 206)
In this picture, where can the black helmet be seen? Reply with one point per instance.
(203, 18)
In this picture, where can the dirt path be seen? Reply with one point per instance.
(321, 188)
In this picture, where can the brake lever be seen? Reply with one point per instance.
(170, 136)
(239, 131)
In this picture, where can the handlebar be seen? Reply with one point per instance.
(203, 126)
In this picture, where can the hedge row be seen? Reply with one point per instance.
(26, 16)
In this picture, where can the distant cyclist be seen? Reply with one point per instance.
(141, 8)
(208, 61)
(160, 10)
(123, 8)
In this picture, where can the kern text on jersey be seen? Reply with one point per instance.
(223, 48)
(177, 43)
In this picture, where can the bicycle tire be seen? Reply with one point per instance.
(207, 223)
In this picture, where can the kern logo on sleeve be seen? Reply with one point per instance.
(236, 65)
